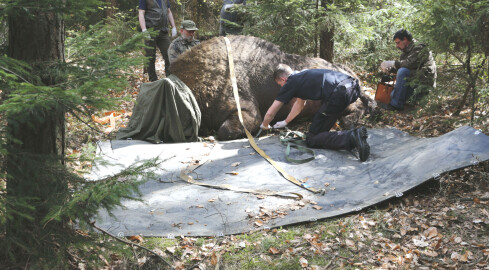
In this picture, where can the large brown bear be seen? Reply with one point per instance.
(205, 70)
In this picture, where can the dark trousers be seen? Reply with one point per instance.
(162, 41)
(319, 135)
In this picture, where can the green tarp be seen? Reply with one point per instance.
(165, 111)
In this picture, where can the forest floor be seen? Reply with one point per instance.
(442, 224)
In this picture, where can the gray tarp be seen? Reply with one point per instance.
(398, 162)
(165, 111)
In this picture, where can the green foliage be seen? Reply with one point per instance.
(363, 30)
(287, 23)
(363, 36)
(88, 197)
(99, 62)
(453, 25)
(459, 29)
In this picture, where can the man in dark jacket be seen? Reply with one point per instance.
(416, 70)
(336, 91)
(155, 15)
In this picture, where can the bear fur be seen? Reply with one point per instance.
(205, 70)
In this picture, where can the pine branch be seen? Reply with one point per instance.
(92, 223)
(10, 71)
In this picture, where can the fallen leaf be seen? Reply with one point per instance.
(350, 243)
(477, 200)
(190, 223)
(235, 164)
(317, 207)
(136, 238)
(261, 197)
(431, 253)
(103, 259)
(179, 266)
(199, 206)
(258, 222)
(430, 232)
(465, 258)
(171, 249)
(233, 173)
(212, 200)
(274, 251)
(303, 262)
(214, 258)
(394, 246)
(420, 243)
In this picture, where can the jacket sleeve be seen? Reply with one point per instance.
(415, 59)
(172, 52)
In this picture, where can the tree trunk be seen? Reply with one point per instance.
(326, 42)
(111, 8)
(36, 37)
(470, 85)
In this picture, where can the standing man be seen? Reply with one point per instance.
(231, 22)
(154, 15)
(185, 41)
(416, 69)
(336, 91)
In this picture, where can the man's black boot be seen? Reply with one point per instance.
(358, 140)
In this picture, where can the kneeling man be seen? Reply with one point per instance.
(336, 91)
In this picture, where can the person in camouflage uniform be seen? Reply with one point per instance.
(416, 70)
(185, 41)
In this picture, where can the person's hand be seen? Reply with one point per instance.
(386, 66)
(173, 32)
(146, 34)
(280, 124)
(263, 127)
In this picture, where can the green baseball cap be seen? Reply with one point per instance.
(189, 25)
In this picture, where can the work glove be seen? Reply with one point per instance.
(280, 124)
(146, 34)
(386, 66)
(173, 32)
(263, 127)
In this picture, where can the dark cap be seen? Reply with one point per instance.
(189, 25)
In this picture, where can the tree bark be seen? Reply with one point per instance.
(326, 41)
(37, 136)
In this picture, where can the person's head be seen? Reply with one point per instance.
(402, 38)
(281, 73)
(187, 30)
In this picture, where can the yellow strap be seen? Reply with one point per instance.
(185, 175)
(248, 134)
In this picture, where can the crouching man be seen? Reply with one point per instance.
(336, 91)
(415, 71)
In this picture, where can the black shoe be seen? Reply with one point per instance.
(358, 140)
(389, 107)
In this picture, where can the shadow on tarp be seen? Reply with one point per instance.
(173, 207)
